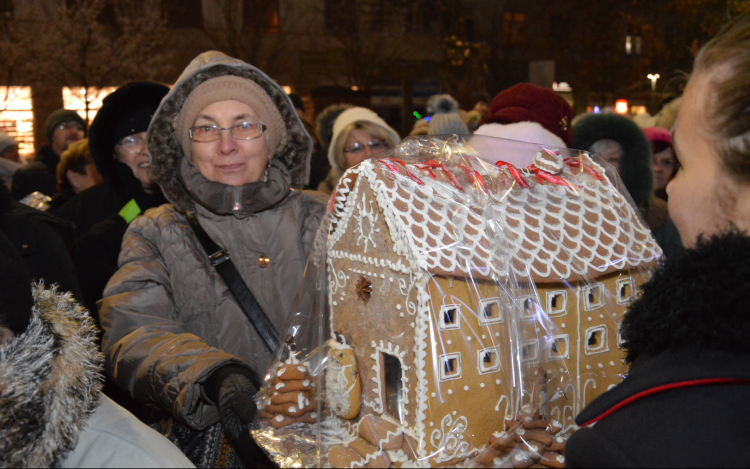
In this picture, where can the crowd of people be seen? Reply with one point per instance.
(137, 255)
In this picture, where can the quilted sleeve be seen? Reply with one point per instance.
(147, 350)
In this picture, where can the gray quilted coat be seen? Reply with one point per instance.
(169, 319)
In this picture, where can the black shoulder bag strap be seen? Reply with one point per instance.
(219, 258)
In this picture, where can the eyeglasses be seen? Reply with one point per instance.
(133, 144)
(375, 147)
(241, 131)
(70, 125)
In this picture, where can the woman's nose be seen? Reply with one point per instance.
(226, 142)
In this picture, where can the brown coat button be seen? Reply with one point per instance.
(263, 262)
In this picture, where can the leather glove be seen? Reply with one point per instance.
(232, 388)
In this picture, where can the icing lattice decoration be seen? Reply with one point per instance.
(568, 226)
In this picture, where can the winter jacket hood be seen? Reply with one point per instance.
(183, 185)
(49, 382)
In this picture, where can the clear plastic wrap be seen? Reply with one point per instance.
(460, 306)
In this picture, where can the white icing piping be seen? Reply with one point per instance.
(390, 349)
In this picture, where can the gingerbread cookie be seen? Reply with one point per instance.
(381, 433)
(343, 386)
(288, 398)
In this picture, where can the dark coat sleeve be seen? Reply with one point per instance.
(95, 257)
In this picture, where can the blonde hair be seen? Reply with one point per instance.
(75, 158)
(370, 128)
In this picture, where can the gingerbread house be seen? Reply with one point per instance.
(453, 285)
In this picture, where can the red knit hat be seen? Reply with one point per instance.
(525, 102)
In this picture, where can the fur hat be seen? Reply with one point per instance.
(15, 288)
(125, 112)
(444, 119)
(61, 116)
(525, 102)
(635, 164)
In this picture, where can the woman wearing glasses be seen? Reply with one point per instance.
(226, 146)
(358, 134)
(104, 211)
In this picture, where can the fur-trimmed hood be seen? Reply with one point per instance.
(183, 185)
(635, 164)
(102, 134)
(696, 301)
(50, 382)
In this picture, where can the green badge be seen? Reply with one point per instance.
(130, 211)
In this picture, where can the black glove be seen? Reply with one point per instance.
(232, 388)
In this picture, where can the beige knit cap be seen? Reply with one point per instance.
(231, 88)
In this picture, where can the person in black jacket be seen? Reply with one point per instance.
(118, 147)
(684, 401)
(63, 128)
(42, 240)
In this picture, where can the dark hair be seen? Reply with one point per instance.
(659, 146)
(729, 120)
(75, 158)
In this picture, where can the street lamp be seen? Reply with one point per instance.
(653, 77)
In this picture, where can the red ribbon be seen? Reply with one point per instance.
(473, 176)
(514, 172)
(425, 168)
(385, 162)
(388, 162)
(432, 164)
(544, 175)
(574, 163)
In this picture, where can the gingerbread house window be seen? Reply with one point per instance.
(530, 351)
(593, 296)
(557, 303)
(450, 366)
(626, 291)
(619, 336)
(450, 317)
(558, 347)
(393, 383)
(488, 360)
(490, 312)
(596, 340)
